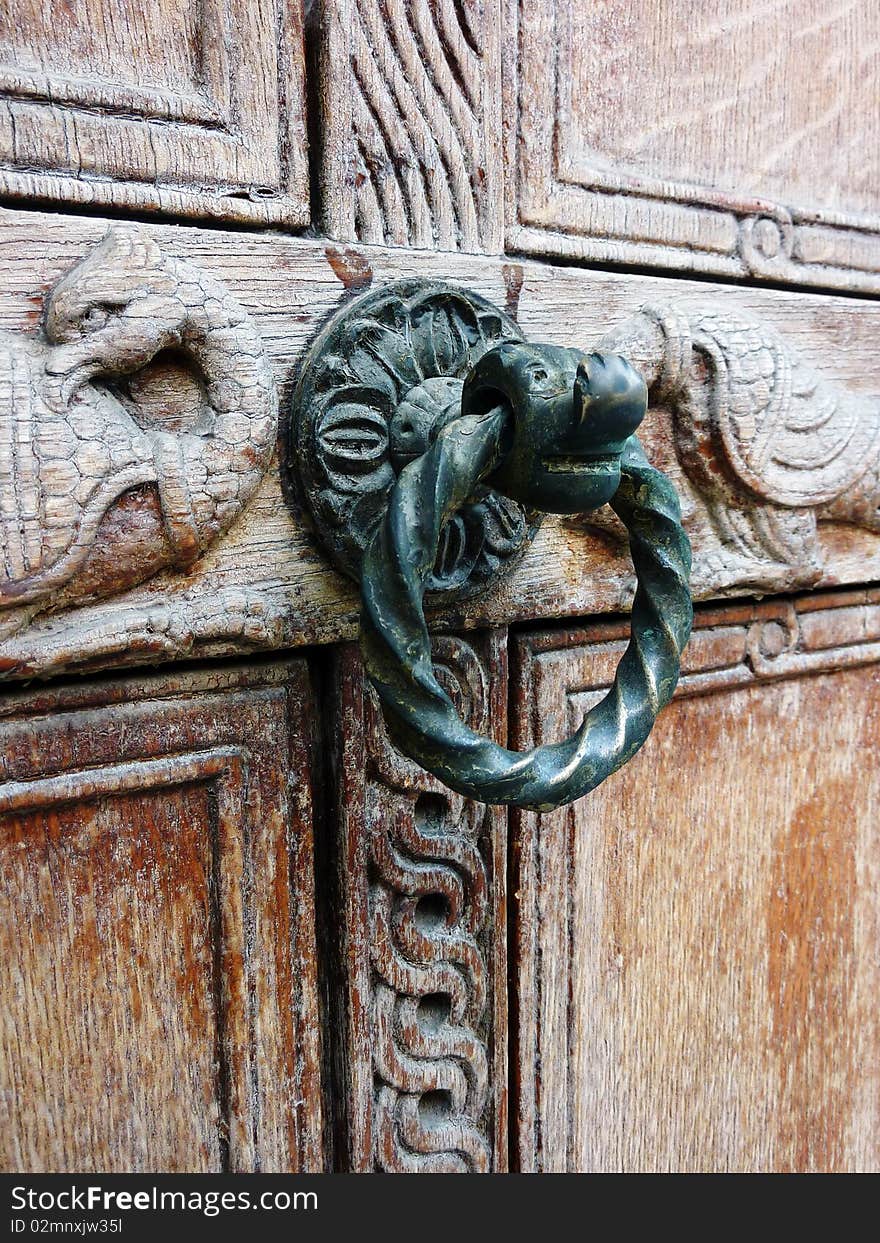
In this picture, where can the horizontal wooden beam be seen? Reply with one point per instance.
(766, 412)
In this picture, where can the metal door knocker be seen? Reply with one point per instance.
(427, 433)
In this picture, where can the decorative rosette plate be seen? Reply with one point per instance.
(378, 385)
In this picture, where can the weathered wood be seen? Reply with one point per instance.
(696, 970)
(95, 499)
(100, 105)
(157, 971)
(268, 583)
(421, 1018)
(411, 122)
(694, 952)
(698, 137)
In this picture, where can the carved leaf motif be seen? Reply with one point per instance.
(444, 334)
(384, 356)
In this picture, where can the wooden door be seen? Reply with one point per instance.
(242, 931)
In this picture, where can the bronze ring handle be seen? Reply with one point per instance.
(553, 429)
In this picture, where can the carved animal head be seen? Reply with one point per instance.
(572, 416)
(127, 495)
(119, 305)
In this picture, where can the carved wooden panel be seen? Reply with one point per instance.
(708, 137)
(99, 492)
(102, 104)
(158, 970)
(766, 411)
(697, 969)
(421, 993)
(411, 122)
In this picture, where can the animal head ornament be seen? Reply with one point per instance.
(572, 416)
(76, 456)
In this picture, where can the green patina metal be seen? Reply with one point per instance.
(551, 429)
(572, 415)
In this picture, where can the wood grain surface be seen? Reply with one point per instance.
(269, 584)
(410, 99)
(159, 1004)
(755, 122)
(697, 973)
(699, 136)
(101, 106)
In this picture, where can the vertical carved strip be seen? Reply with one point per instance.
(423, 941)
(411, 125)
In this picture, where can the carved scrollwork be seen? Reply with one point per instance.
(375, 393)
(97, 494)
(766, 243)
(429, 905)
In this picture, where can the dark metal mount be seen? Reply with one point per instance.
(427, 433)
(377, 387)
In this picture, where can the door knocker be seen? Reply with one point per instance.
(429, 436)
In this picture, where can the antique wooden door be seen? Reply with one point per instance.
(240, 929)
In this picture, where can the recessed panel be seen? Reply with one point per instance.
(699, 136)
(193, 109)
(776, 101)
(110, 979)
(158, 1007)
(698, 975)
(93, 41)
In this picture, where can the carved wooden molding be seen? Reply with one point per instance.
(422, 882)
(114, 116)
(568, 197)
(95, 497)
(765, 445)
(802, 365)
(411, 122)
(737, 645)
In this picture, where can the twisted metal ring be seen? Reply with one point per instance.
(421, 717)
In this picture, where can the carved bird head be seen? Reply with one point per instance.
(572, 416)
(114, 311)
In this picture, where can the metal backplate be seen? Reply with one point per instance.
(379, 383)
